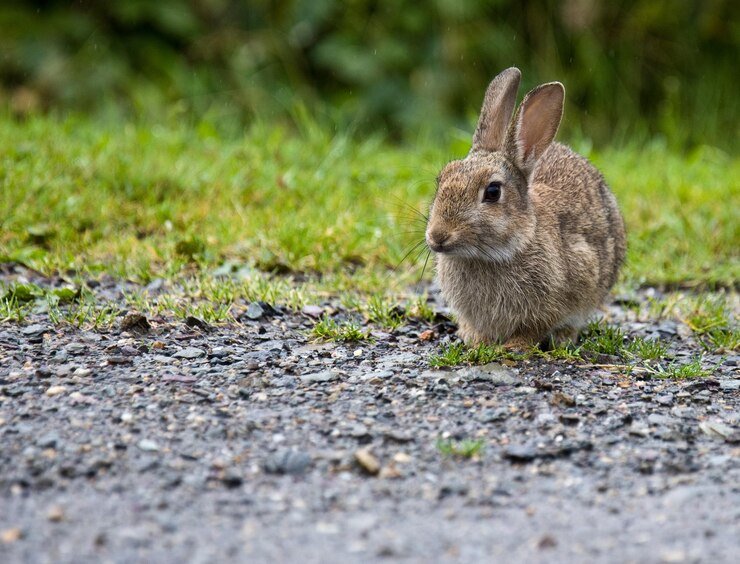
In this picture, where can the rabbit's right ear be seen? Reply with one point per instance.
(498, 105)
(535, 124)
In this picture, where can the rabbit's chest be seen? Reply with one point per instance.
(492, 297)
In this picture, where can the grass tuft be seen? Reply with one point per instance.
(327, 329)
(679, 371)
(646, 349)
(712, 325)
(467, 448)
(601, 338)
(457, 353)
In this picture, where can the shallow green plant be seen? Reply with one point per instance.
(385, 313)
(467, 448)
(646, 349)
(420, 309)
(679, 371)
(601, 338)
(328, 329)
(712, 324)
(12, 310)
(457, 353)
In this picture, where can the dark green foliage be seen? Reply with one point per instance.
(630, 68)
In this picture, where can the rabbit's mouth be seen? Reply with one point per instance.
(441, 241)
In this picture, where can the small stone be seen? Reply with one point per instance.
(562, 399)
(34, 330)
(312, 311)
(287, 461)
(135, 323)
(9, 536)
(359, 431)
(55, 514)
(453, 487)
(50, 440)
(148, 445)
(520, 453)
(570, 418)
(399, 436)
(254, 311)
(660, 420)
(367, 461)
(547, 541)
(664, 399)
(43, 372)
(55, 390)
(324, 376)
(427, 335)
(719, 430)
(493, 415)
(495, 373)
(232, 479)
(729, 385)
(189, 353)
(196, 323)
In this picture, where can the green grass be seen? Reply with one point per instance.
(712, 323)
(600, 338)
(467, 448)
(456, 353)
(292, 217)
(140, 202)
(680, 371)
(646, 349)
(327, 329)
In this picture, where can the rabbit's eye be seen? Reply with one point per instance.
(492, 194)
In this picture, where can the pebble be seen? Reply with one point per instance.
(312, 311)
(34, 330)
(254, 311)
(323, 376)
(9, 536)
(148, 445)
(189, 353)
(453, 487)
(135, 322)
(55, 390)
(55, 514)
(494, 373)
(664, 399)
(287, 461)
(729, 385)
(367, 461)
(717, 429)
(520, 453)
(50, 440)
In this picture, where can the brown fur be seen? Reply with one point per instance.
(535, 264)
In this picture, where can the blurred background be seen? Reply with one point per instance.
(633, 69)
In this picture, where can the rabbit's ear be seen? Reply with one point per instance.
(498, 105)
(535, 125)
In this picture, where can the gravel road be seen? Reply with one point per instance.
(251, 443)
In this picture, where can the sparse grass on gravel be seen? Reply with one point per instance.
(293, 217)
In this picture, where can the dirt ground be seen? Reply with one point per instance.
(253, 443)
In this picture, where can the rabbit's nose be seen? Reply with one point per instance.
(437, 239)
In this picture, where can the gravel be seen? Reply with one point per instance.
(251, 443)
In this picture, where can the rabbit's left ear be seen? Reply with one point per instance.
(535, 125)
(498, 105)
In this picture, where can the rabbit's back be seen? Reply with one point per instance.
(573, 196)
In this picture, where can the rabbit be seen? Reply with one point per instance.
(527, 237)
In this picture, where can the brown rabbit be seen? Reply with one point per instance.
(527, 235)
